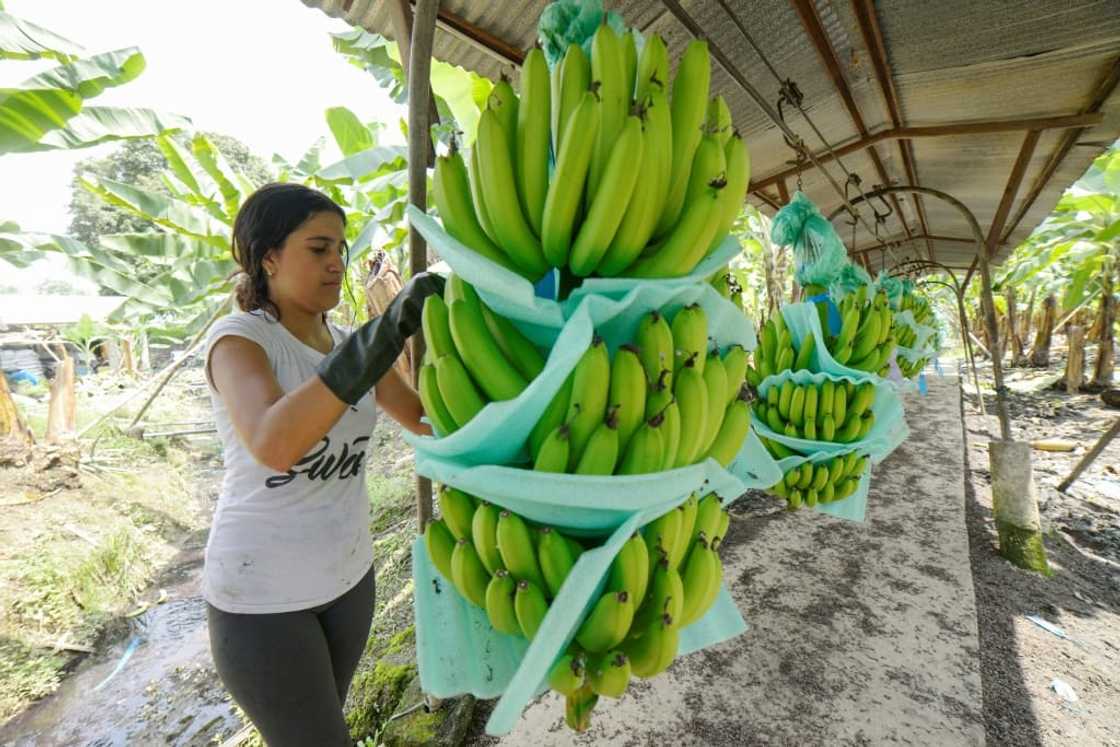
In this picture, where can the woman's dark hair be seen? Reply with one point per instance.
(263, 223)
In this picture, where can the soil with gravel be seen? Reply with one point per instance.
(1022, 662)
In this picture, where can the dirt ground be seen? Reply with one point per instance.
(1020, 659)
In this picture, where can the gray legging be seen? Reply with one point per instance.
(290, 671)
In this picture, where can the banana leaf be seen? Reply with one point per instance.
(366, 164)
(95, 125)
(229, 182)
(349, 133)
(159, 209)
(23, 40)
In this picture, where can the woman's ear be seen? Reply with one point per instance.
(268, 263)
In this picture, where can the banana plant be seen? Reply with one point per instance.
(48, 111)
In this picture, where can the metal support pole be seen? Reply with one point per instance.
(419, 151)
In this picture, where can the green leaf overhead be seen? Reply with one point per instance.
(349, 133)
(23, 40)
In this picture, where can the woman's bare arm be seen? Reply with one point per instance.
(278, 428)
(401, 402)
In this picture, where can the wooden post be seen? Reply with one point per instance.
(1028, 319)
(1102, 371)
(419, 152)
(61, 413)
(1075, 362)
(1040, 353)
(1093, 454)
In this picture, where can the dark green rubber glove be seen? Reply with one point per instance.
(359, 361)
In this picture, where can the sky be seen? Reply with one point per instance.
(262, 71)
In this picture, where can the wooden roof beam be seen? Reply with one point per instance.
(1101, 91)
(868, 20)
(985, 127)
(807, 11)
(477, 36)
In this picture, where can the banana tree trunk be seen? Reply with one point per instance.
(61, 413)
(1004, 333)
(1013, 323)
(1040, 353)
(15, 437)
(1102, 372)
(1075, 362)
(1028, 319)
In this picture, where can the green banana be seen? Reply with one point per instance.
(565, 190)
(708, 517)
(670, 434)
(530, 606)
(847, 329)
(661, 537)
(653, 652)
(806, 472)
(608, 69)
(774, 418)
(865, 396)
(499, 603)
(821, 476)
(568, 674)
(653, 67)
(797, 406)
(689, 509)
(646, 451)
(849, 432)
(616, 186)
(700, 573)
(718, 120)
(735, 366)
(805, 353)
(468, 574)
(840, 405)
(715, 381)
(553, 416)
(505, 104)
(555, 453)
(556, 559)
(793, 502)
(570, 81)
(809, 430)
(533, 131)
(630, 568)
(499, 192)
(655, 345)
(578, 708)
(609, 674)
(515, 346)
(827, 398)
(457, 509)
(690, 337)
(866, 424)
(724, 525)
(731, 198)
(629, 62)
(689, 102)
(627, 395)
(843, 355)
(481, 354)
(812, 399)
(607, 623)
(828, 428)
(601, 452)
(436, 327)
(479, 201)
(516, 548)
(687, 242)
(637, 224)
(691, 393)
(591, 380)
(452, 191)
(867, 338)
(441, 544)
(434, 408)
(457, 390)
(732, 433)
(666, 596)
(785, 398)
(708, 165)
(484, 535)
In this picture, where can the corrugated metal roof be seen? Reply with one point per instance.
(950, 62)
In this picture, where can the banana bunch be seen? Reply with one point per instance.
(776, 352)
(663, 579)
(473, 356)
(834, 411)
(864, 342)
(728, 286)
(918, 305)
(664, 402)
(824, 482)
(909, 368)
(646, 180)
(670, 575)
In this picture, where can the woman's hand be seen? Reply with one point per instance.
(400, 401)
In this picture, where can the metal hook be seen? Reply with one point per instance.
(789, 93)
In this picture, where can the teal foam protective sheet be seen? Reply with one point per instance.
(458, 652)
(888, 432)
(802, 320)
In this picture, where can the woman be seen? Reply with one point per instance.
(288, 577)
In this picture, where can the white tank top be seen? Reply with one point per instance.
(282, 542)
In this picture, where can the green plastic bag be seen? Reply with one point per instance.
(565, 22)
(852, 508)
(458, 652)
(850, 279)
(887, 434)
(818, 252)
